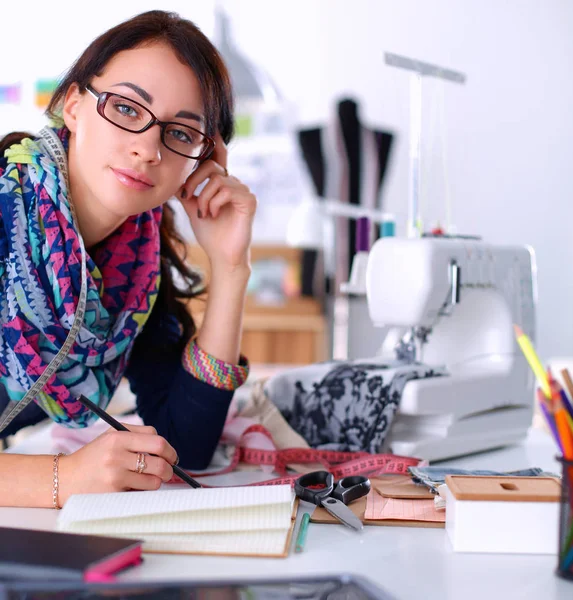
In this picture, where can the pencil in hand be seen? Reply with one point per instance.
(119, 427)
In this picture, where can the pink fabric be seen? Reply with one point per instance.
(69, 440)
(234, 430)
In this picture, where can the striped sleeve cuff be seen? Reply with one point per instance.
(213, 371)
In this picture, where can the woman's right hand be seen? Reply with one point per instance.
(108, 463)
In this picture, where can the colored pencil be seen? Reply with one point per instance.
(545, 409)
(533, 360)
(566, 553)
(562, 423)
(302, 531)
(569, 385)
(567, 406)
(557, 392)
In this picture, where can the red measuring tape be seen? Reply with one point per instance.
(340, 464)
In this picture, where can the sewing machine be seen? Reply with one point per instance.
(452, 303)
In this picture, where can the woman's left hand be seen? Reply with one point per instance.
(223, 212)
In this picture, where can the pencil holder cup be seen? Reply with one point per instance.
(565, 550)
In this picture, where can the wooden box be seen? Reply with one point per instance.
(503, 514)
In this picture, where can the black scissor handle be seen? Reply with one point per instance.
(304, 484)
(351, 488)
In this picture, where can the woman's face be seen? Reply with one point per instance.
(126, 173)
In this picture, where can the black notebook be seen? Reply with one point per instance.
(30, 554)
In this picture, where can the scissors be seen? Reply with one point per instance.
(318, 488)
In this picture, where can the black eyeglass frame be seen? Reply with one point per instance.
(103, 97)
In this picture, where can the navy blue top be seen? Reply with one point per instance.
(188, 412)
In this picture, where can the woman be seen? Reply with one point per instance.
(142, 116)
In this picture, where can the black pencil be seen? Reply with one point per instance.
(119, 427)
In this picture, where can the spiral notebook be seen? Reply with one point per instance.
(237, 521)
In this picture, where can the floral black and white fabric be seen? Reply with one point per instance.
(344, 406)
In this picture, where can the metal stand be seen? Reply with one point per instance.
(419, 69)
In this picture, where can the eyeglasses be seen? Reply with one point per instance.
(129, 115)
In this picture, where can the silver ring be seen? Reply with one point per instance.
(141, 464)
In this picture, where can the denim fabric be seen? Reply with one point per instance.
(432, 477)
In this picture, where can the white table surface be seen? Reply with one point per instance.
(410, 563)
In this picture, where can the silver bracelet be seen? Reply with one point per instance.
(56, 481)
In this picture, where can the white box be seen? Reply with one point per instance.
(503, 514)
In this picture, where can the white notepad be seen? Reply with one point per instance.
(251, 520)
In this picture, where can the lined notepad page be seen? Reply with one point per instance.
(260, 543)
(249, 520)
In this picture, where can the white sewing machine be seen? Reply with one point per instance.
(456, 300)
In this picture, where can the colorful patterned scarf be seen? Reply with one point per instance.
(40, 282)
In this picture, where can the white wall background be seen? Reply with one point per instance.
(508, 131)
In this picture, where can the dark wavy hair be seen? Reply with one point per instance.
(195, 50)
